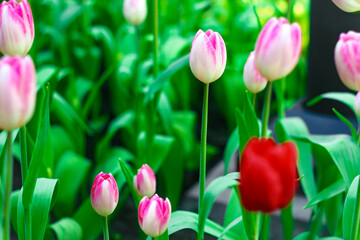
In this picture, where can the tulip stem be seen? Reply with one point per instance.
(8, 186)
(23, 159)
(156, 37)
(358, 137)
(281, 99)
(257, 226)
(254, 101)
(266, 111)
(203, 147)
(106, 228)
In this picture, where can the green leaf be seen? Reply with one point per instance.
(343, 150)
(67, 229)
(327, 193)
(212, 191)
(38, 154)
(163, 78)
(44, 194)
(44, 74)
(181, 220)
(347, 122)
(344, 97)
(90, 222)
(287, 222)
(129, 176)
(72, 171)
(230, 226)
(165, 112)
(231, 146)
(351, 211)
(67, 113)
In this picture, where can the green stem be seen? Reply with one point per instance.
(358, 139)
(266, 111)
(28, 223)
(289, 10)
(156, 37)
(106, 229)
(257, 226)
(203, 147)
(265, 234)
(281, 99)
(23, 159)
(355, 233)
(254, 100)
(8, 188)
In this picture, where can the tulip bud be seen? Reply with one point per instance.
(348, 5)
(154, 215)
(357, 104)
(207, 56)
(347, 59)
(135, 11)
(278, 48)
(104, 194)
(145, 181)
(268, 175)
(17, 91)
(16, 27)
(253, 80)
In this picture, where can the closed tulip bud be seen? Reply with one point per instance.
(348, 5)
(104, 194)
(207, 56)
(347, 59)
(268, 175)
(253, 80)
(278, 48)
(154, 215)
(16, 27)
(357, 104)
(145, 181)
(17, 91)
(135, 11)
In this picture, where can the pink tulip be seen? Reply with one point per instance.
(145, 181)
(253, 80)
(17, 91)
(278, 48)
(16, 27)
(104, 194)
(357, 104)
(347, 59)
(207, 56)
(348, 5)
(135, 11)
(154, 215)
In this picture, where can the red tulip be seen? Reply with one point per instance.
(268, 175)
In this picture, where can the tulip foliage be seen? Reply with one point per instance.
(100, 116)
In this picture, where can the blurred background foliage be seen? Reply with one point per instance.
(100, 69)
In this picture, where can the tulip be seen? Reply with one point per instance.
(16, 27)
(104, 194)
(17, 91)
(348, 5)
(268, 175)
(253, 80)
(357, 104)
(347, 59)
(207, 56)
(278, 48)
(154, 215)
(145, 181)
(135, 11)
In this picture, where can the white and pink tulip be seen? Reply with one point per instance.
(208, 56)
(17, 91)
(104, 194)
(278, 48)
(348, 5)
(145, 182)
(253, 80)
(154, 215)
(135, 11)
(347, 59)
(16, 27)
